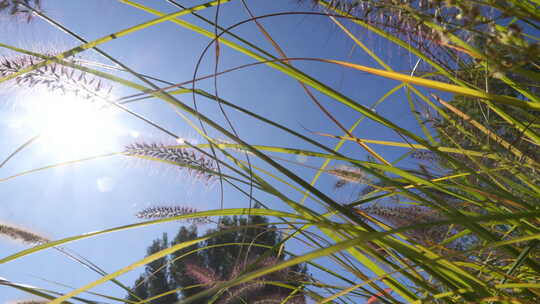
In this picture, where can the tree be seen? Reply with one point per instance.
(155, 280)
(201, 266)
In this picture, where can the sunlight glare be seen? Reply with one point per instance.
(71, 126)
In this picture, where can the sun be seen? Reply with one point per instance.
(71, 126)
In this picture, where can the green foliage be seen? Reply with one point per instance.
(155, 280)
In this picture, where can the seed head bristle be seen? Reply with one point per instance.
(401, 216)
(405, 216)
(198, 165)
(22, 235)
(171, 211)
(239, 291)
(16, 7)
(56, 78)
(428, 156)
(268, 261)
(279, 298)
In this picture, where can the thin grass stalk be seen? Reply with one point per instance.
(221, 212)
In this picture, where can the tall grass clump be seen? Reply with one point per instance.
(454, 218)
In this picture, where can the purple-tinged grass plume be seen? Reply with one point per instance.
(254, 291)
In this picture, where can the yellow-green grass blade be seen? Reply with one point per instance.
(449, 210)
(419, 147)
(441, 86)
(518, 285)
(220, 212)
(95, 293)
(399, 288)
(491, 245)
(40, 292)
(131, 267)
(386, 67)
(328, 231)
(393, 39)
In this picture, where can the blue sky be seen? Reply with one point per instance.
(105, 193)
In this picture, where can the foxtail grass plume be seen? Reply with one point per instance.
(202, 275)
(171, 211)
(280, 298)
(410, 215)
(251, 288)
(427, 156)
(254, 291)
(22, 235)
(347, 175)
(402, 216)
(56, 78)
(197, 164)
(240, 291)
